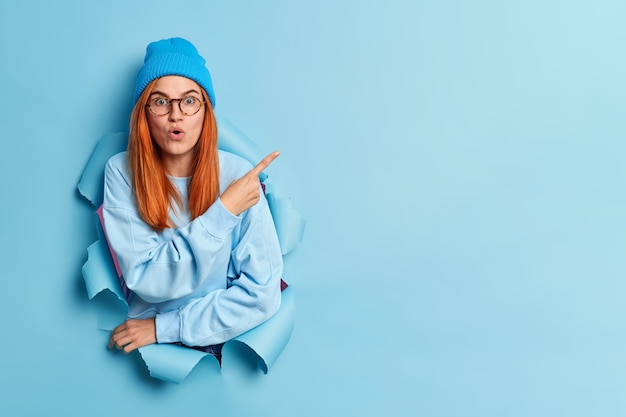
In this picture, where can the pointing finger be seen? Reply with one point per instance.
(264, 163)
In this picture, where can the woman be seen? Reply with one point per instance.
(191, 229)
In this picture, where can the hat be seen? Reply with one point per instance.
(174, 56)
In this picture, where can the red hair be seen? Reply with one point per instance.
(155, 194)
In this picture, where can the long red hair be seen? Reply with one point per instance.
(154, 192)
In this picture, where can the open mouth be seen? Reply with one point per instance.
(176, 133)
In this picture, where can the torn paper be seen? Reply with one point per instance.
(170, 362)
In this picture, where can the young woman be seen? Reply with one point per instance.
(189, 223)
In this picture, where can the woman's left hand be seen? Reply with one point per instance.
(133, 334)
(244, 192)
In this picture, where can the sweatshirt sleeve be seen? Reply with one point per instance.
(157, 269)
(252, 298)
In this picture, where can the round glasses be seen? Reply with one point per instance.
(188, 105)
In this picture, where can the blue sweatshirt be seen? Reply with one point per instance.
(206, 281)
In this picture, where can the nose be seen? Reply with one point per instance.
(175, 114)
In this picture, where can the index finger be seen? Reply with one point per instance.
(264, 163)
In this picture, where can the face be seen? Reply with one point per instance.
(176, 133)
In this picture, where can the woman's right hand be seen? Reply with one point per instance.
(133, 334)
(244, 193)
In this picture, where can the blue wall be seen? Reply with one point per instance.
(459, 164)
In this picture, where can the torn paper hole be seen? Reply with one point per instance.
(101, 272)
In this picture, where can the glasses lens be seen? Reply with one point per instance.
(190, 105)
(160, 106)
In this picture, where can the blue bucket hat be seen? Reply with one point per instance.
(174, 56)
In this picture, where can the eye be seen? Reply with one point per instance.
(160, 102)
(190, 100)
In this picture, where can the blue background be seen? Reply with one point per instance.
(459, 165)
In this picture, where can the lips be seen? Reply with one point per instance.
(176, 133)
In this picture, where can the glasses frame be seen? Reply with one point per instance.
(169, 101)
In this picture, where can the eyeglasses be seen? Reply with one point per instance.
(188, 105)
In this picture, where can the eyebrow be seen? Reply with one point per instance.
(161, 93)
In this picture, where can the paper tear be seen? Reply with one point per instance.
(99, 271)
(269, 339)
(231, 139)
(289, 223)
(171, 362)
(91, 184)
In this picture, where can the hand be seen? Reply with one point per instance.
(133, 334)
(243, 193)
